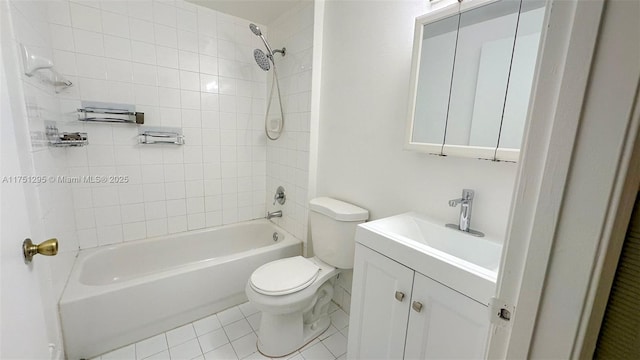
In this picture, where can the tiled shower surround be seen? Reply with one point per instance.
(184, 66)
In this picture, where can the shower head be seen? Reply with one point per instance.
(255, 29)
(262, 59)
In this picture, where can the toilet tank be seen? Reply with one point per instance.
(333, 228)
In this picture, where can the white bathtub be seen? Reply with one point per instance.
(121, 294)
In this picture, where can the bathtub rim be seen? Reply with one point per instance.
(76, 290)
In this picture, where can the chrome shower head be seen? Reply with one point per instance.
(255, 29)
(262, 59)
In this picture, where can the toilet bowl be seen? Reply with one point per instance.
(294, 293)
(292, 317)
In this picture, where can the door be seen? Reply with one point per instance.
(24, 330)
(379, 306)
(444, 324)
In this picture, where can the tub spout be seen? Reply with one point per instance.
(274, 214)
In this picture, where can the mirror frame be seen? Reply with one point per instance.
(442, 149)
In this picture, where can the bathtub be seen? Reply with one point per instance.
(121, 294)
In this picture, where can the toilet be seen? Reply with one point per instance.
(294, 293)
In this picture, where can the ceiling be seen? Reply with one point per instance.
(260, 11)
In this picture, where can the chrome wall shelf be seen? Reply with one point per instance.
(111, 113)
(65, 139)
(160, 136)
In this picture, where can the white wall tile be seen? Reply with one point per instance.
(115, 24)
(168, 77)
(142, 30)
(107, 216)
(118, 70)
(105, 196)
(177, 224)
(134, 231)
(187, 20)
(207, 45)
(190, 99)
(65, 62)
(132, 213)
(167, 57)
(175, 190)
(115, 6)
(156, 227)
(187, 41)
(194, 188)
(87, 42)
(189, 80)
(146, 95)
(207, 23)
(117, 47)
(196, 221)
(169, 97)
(108, 235)
(208, 65)
(143, 52)
(164, 14)
(62, 37)
(58, 12)
(91, 66)
(155, 210)
(144, 74)
(166, 36)
(85, 17)
(188, 61)
(154, 192)
(141, 9)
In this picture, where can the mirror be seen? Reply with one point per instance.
(434, 80)
(525, 55)
(471, 79)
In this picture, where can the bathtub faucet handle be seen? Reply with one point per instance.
(280, 197)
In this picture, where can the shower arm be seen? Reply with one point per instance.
(271, 51)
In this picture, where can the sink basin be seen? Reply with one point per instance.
(465, 263)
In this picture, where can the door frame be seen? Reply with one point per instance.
(556, 145)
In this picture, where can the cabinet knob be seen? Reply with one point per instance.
(417, 306)
(399, 296)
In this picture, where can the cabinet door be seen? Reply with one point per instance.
(379, 306)
(448, 325)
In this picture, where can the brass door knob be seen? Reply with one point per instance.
(48, 248)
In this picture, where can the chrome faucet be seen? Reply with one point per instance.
(274, 214)
(465, 202)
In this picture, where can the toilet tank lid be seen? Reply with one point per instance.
(338, 210)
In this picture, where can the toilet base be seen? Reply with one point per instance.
(280, 335)
(308, 336)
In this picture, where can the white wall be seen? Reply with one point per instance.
(288, 157)
(183, 66)
(365, 84)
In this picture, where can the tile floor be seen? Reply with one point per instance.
(231, 334)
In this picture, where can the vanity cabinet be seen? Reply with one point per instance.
(398, 313)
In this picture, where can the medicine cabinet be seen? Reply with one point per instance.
(472, 73)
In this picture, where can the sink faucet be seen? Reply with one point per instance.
(465, 202)
(274, 214)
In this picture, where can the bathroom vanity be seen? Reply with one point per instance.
(420, 290)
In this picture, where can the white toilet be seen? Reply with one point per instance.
(294, 293)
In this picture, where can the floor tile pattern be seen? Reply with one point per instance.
(231, 335)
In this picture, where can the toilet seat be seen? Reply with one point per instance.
(284, 276)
